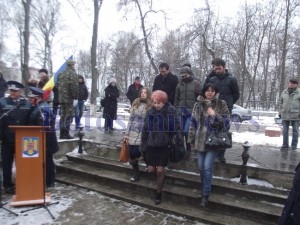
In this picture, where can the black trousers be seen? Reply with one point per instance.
(7, 155)
(50, 169)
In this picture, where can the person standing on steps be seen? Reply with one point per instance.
(186, 95)
(68, 90)
(289, 112)
(160, 125)
(228, 90)
(134, 128)
(209, 114)
(166, 81)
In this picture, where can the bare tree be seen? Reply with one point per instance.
(146, 31)
(95, 74)
(46, 19)
(26, 36)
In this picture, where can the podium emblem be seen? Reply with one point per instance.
(30, 147)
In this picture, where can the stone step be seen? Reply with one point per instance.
(179, 177)
(113, 178)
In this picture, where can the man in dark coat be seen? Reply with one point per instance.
(111, 104)
(134, 90)
(14, 110)
(166, 81)
(42, 115)
(291, 211)
(3, 86)
(228, 88)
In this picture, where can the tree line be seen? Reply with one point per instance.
(260, 45)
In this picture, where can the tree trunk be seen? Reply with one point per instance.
(26, 35)
(95, 74)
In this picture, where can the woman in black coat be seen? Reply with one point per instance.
(111, 104)
(161, 123)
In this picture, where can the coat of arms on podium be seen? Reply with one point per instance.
(30, 147)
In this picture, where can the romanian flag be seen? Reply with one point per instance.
(52, 81)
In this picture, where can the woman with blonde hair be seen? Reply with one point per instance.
(160, 125)
(134, 128)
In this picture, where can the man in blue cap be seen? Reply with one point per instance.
(14, 110)
(42, 115)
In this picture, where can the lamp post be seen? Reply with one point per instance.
(245, 156)
(80, 135)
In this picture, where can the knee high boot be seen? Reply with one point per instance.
(136, 172)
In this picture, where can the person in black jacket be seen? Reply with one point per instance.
(161, 123)
(42, 115)
(134, 90)
(166, 81)
(14, 110)
(82, 97)
(3, 86)
(111, 104)
(228, 89)
(291, 211)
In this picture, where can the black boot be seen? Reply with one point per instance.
(67, 135)
(158, 198)
(61, 134)
(204, 200)
(136, 172)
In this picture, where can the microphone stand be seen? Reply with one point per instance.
(44, 205)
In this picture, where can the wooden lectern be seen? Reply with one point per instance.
(30, 158)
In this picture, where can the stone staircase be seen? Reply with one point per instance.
(230, 203)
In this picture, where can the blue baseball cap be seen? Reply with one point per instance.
(36, 92)
(14, 85)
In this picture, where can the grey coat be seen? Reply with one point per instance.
(289, 105)
(186, 94)
(135, 123)
(203, 123)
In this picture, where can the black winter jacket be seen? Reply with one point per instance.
(111, 101)
(159, 127)
(133, 93)
(83, 92)
(228, 88)
(167, 84)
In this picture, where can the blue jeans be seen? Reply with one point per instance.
(285, 133)
(78, 112)
(205, 162)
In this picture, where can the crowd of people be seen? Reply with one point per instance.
(173, 105)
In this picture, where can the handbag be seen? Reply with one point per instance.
(124, 153)
(218, 139)
(178, 148)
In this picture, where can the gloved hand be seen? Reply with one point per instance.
(75, 101)
(279, 116)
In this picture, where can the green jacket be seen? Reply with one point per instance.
(67, 84)
(289, 105)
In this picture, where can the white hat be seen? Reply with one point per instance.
(112, 80)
